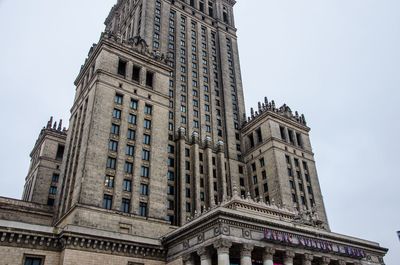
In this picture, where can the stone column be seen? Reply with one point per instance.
(205, 257)
(307, 259)
(268, 256)
(222, 171)
(211, 201)
(223, 247)
(196, 171)
(245, 254)
(325, 261)
(288, 258)
(188, 260)
(182, 176)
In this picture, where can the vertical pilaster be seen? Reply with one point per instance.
(268, 256)
(196, 171)
(245, 254)
(182, 176)
(222, 170)
(223, 247)
(188, 260)
(210, 179)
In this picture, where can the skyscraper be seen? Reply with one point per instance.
(161, 164)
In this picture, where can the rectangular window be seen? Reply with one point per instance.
(149, 79)
(144, 189)
(114, 129)
(299, 140)
(265, 187)
(187, 193)
(262, 162)
(127, 185)
(109, 182)
(107, 201)
(255, 180)
(118, 99)
(33, 261)
(148, 110)
(134, 104)
(125, 205)
(131, 134)
(171, 176)
(147, 124)
(130, 150)
(50, 201)
(122, 67)
(283, 133)
(111, 163)
(55, 177)
(128, 168)
(132, 119)
(145, 155)
(146, 139)
(171, 190)
(53, 190)
(116, 114)
(60, 152)
(113, 146)
(136, 73)
(143, 209)
(145, 172)
(188, 207)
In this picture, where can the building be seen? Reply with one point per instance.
(161, 164)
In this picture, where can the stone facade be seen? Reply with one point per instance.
(161, 165)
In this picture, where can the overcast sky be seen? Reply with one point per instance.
(336, 61)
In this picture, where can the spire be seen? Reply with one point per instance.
(59, 125)
(49, 123)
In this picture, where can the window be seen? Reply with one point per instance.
(171, 205)
(283, 133)
(134, 104)
(144, 171)
(262, 162)
(171, 190)
(145, 155)
(254, 167)
(171, 176)
(127, 185)
(131, 134)
(122, 67)
(128, 168)
(136, 73)
(265, 187)
(264, 174)
(187, 177)
(111, 163)
(118, 99)
(132, 119)
(171, 162)
(53, 190)
(149, 79)
(130, 150)
(291, 136)
(241, 182)
(143, 209)
(148, 110)
(171, 149)
(187, 193)
(33, 261)
(187, 165)
(116, 114)
(109, 182)
(147, 124)
(125, 205)
(107, 202)
(259, 135)
(251, 140)
(55, 177)
(255, 180)
(188, 207)
(50, 202)
(113, 146)
(114, 129)
(144, 189)
(146, 139)
(60, 152)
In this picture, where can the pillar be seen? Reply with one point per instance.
(205, 257)
(245, 254)
(196, 171)
(222, 171)
(211, 201)
(268, 256)
(307, 259)
(222, 247)
(288, 258)
(182, 176)
(325, 261)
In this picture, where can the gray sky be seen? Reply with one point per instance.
(338, 62)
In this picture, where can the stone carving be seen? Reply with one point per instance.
(309, 217)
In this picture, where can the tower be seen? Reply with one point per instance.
(42, 181)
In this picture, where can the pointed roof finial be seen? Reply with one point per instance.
(252, 112)
(59, 125)
(49, 123)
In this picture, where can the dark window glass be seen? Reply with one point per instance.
(53, 190)
(33, 261)
(136, 73)
(148, 110)
(122, 67)
(127, 185)
(111, 163)
(149, 79)
(109, 182)
(60, 152)
(116, 114)
(113, 146)
(131, 134)
(128, 168)
(147, 124)
(144, 171)
(143, 209)
(55, 177)
(144, 189)
(134, 104)
(107, 202)
(125, 205)
(115, 129)
(50, 202)
(132, 119)
(118, 99)
(146, 139)
(130, 150)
